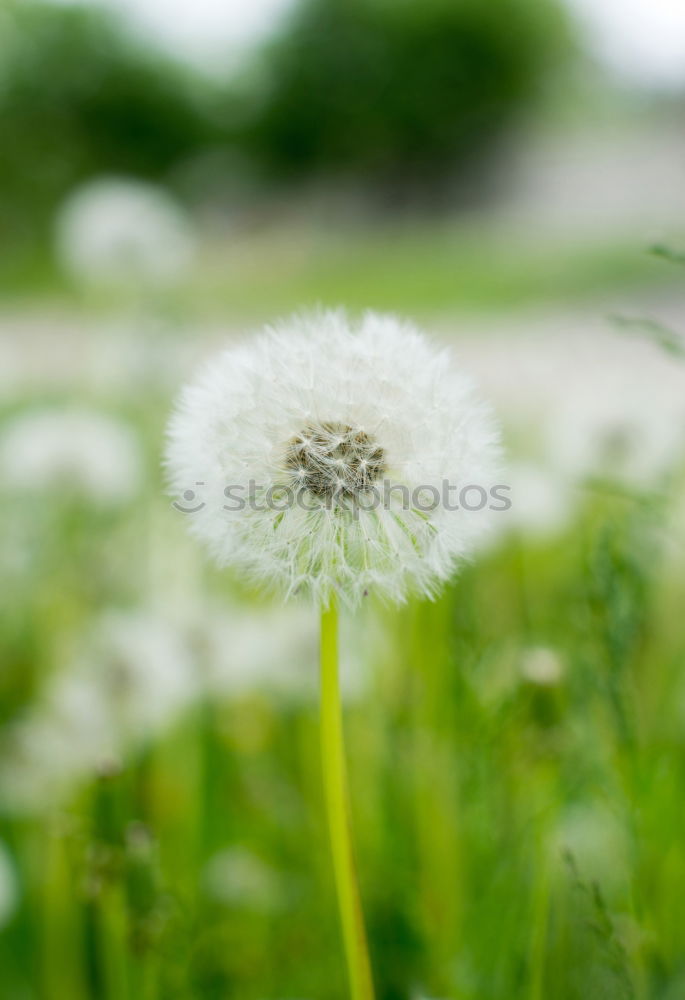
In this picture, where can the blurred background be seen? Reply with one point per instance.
(511, 175)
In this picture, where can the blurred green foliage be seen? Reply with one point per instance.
(401, 91)
(397, 93)
(79, 98)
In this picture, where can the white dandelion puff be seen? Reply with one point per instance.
(78, 450)
(319, 454)
(118, 230)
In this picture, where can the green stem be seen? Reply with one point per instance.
(338, 808)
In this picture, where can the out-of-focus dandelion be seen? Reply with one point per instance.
(269, 649)
(131, 677)
(618, 432)
(141, 663)
(249, 650)
(115, 231)
(597, 841)
(77, 451)
(542, 666)
(238, 877)
(135, 674)
(541, 501)
(65, 738)
(323, 450)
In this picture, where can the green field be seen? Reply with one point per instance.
(516, 754)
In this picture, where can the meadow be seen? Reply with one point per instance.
(515, 747)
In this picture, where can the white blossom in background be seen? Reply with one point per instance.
(75, 450)
(328, 412)
(142, 666)
(129, 678)
(275, 650)
(617, 430)
(9, 888)
(250, 650)
(114, 231)
(65, 738)
(585, 400)
(597, 840)
(542, 666)
(135, 674)
(237, 876)
(542, 502)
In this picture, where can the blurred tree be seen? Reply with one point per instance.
(77, 98)
(403, 91)
(399, 93)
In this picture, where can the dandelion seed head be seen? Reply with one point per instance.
(335, 414)
(329, 458)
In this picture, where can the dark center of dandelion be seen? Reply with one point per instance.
(331, 459)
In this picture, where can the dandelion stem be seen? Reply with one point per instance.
(338, 808)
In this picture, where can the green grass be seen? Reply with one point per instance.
(419, 268)
(515, 840)
(426, 270)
